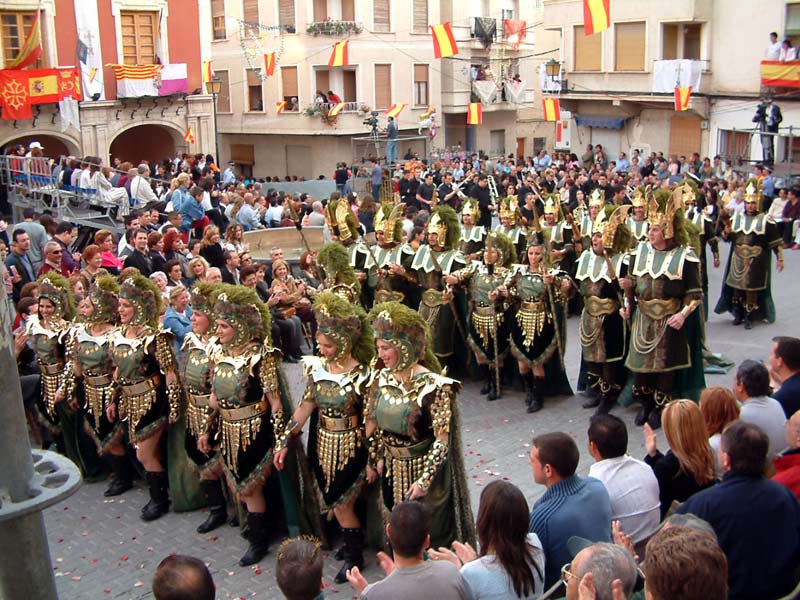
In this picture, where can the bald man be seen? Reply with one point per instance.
(787, 464)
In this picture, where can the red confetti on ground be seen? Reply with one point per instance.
(106, 591)
(60, 540)
(94, 561)
(124, 558)
(257, 571)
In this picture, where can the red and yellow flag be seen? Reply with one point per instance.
(269, 64)
(189, 136)
(682, 96)
(475, 113)
(552, 109)
(444, 44)
(780, 74)
(208, 72)
(20, 90)
(596, 16)
(339, 56)
(337, 108)
(279, 106)
(395, 109)
(31, 48)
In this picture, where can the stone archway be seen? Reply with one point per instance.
(54, 145)
(151, 142)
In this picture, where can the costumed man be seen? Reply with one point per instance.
(559, 233)
(394, 278)
(703, 219)
(334, 400)
(472, 235)
(413, 428)
(434, 260)
(345, 229)
(511, 223)
(340, 276)
(664, 279)
(488, 331)
(637, 222)
(585, 216)
(603, 331)
(747, 287)
(146, 373)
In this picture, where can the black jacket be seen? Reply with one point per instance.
(141, 261)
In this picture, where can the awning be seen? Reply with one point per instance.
(600, 122)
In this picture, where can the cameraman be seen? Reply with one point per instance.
(768, 117)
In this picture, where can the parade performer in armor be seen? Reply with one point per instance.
(585, 216)
(145, 372)
(472, 235)
(439, 257)
(703, 219)
(412, 426)
(664, 278)
(199, 345)
(93, 366)
(488, 330)
(603, 331)
(559, 234)
(334, 399)
(344, 228)
(747, 287)
(511, 223)
(637, 222)
(538, 324)
(394, 279)
(340, 277)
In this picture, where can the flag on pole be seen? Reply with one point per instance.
(552, 109)
(339, 55)
(280, 106)
(208, 72)
(337, 108)
(189, 136)
(269, 64)
(31, 48)
(83, 51)
(395, 109)
(682, 96)
(444, 44)
(596, 16)
(475, 113)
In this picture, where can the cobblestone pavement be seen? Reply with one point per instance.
(101, 549)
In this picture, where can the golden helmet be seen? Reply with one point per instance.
(597, 198)
(509, 209)
(471, 207)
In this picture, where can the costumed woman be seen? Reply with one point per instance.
(334, 398)
(340, 276)
(511, 222)
(412, 426)
(472, 235)
(488, 329)
(146, 373)
(538, 325)
(344, 228)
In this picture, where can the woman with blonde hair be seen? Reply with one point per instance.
(198, 269)
(688, 466)
(211, 248)
(719, 408)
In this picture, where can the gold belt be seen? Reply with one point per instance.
(598, 307)
(659, 309)
(417, 449)
(142, 387)
(245, 412)
(199, 400)
(339, 424)
(433, 298)
(97, 381)
(388, 295)
(53, 369)
(484, 311)
(746, 251)
(535, 305)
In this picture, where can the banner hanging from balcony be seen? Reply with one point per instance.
(336, 109)
(475, 113)
(669, 74)
(444, 44)
(151, 80)
(20, 90)
(596, 16)
(269, 64)
(208, 71)
(339, 56)
(394, 110)
(780, 74)
(515, 31)
(552, 109)
(682, 96)
(486, 90)
(31, 48)
(280, 106)
(515, 91)
(189, 136)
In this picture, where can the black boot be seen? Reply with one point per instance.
(217, 506)
(259, 539)
(738, 314)
(748, 320)
(660, 400)
(608, 398)
(353, 552)
(643, 395)
(494, 390)
(122, 479)
(594, 391)
(486, 375)
(159, 496)
(527, 379)
(538, 395)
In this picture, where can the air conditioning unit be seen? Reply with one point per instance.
(644, 149)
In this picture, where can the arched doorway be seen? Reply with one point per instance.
(149, 142)
(53, 146)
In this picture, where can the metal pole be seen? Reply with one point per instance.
(216, 133)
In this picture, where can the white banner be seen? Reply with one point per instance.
(91, 64)
(68, 109)
(136, 88)
(515, 91)
(669, 74)
(545, 83)
(486, 90)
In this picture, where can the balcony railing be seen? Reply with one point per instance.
(333, 28)
(349, 107)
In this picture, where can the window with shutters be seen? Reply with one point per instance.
(420, 16)
(348, 10)
(289, 87)
(383, 86)
(218, 19)
(588, 50)
(250, 11)
(224, 96)
(629, 46)
(139, 37)
(684, 135)
(420, 85)
(680, 40)
(381, 21)
(255, 92)
(792, 30)
(286, 14)
(320, 10)
(14, 30)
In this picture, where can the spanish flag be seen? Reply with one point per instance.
(444, 44)
(682, 96)
(208, 72)
(552, 109)
(31, 48)
(339, 55)
(269, 64)
(337, 108)
(780, 74)
(475, 113)
(279, 106)
(189, 136)
(395, 109)
(596, 16)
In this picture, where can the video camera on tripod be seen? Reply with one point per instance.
(372, 121)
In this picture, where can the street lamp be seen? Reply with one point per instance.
(213, 87)
(553, 69)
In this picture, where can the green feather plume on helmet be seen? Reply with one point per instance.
(681, 236)
(104, 296)
(622, 233)
(337, 318)
(335, 262)
(240, 307)
(145, 296)
(57, 289)
(449, 219)
(503, 244)
(406, 330)
(201, 296)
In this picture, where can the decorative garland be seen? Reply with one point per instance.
(255, 55)
(332, 27)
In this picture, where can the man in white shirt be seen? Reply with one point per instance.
(140, 187)
(631, 484)
(774, 48)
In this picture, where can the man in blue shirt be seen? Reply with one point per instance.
(757, 521)
(784, 368)
(391, 142)
(571, 506)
